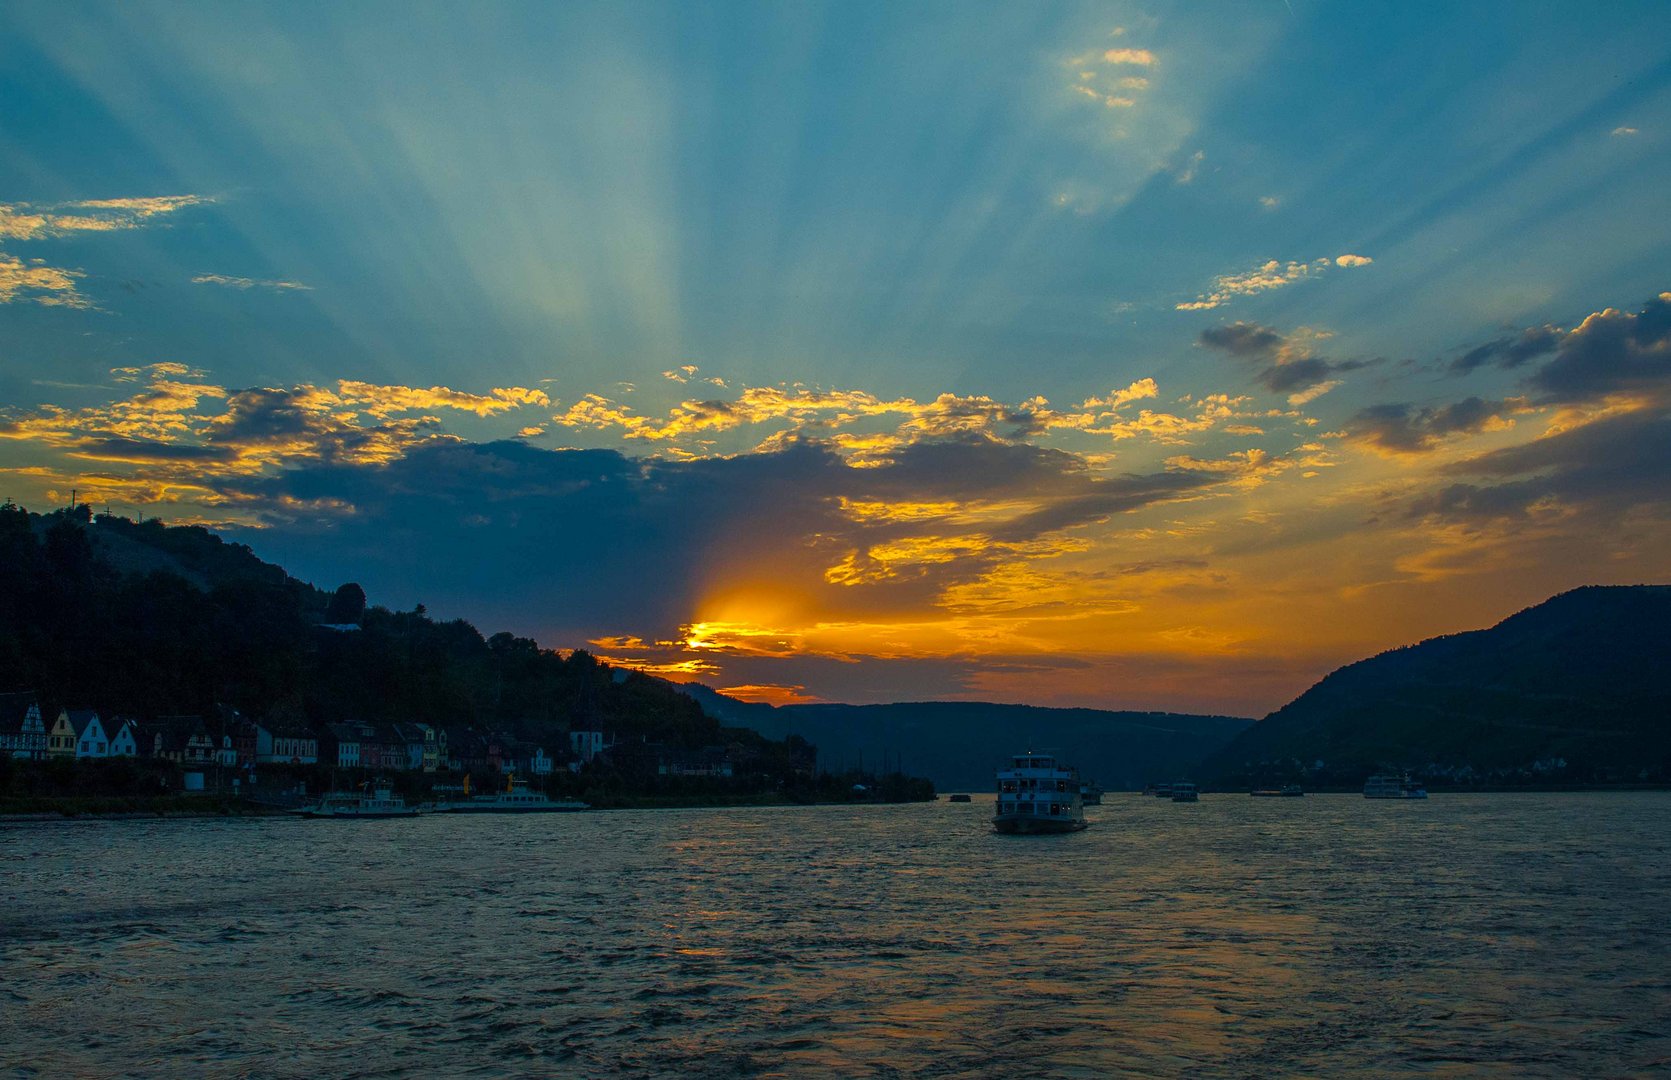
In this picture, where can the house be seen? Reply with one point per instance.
(423, 746)
(124, 737)
(466, 751)
(381, 747)
(60, 737)
(287, 744)
(587, 745)
(709, 761)
(184, 739)
(525, 759)
(342, 745)
(78, 733)
(252, 741)
(22, 731)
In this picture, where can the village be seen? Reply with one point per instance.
(229, 751)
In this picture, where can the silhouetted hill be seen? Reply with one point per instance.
(1575, 688)
(959, 744)
(148, 620)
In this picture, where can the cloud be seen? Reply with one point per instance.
(1139, 57)
(38, 283)
(31, 221)
(1269, 202)
(1186, 175)
(248, 283)
(1290, 368)
(35, 281)
(1242, 339)
(1405, 429)
(1622, 131)
(1610, 352)
(1512, 351)
(1266, 277)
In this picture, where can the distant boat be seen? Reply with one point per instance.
(379, 801)
(517, 798)
(1387, 786)
(1184, 791)
(1090, 793)
(957, 798)
(1159, 791)
(1289, 791)
(1035, 795)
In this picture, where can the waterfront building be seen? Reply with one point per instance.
(124, 737)
(90, 738)
(343, 744)
(587, 745)
(184, 739)
(22, 731)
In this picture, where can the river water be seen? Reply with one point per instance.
(1470, 935)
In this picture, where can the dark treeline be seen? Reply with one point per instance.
(148, 620)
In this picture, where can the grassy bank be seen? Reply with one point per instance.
(95, 806)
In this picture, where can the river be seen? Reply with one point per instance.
(1469, 935)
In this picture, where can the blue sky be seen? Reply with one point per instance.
(637, 219)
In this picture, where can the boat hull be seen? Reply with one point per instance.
(515, 809)
(356, 816)
(1019, 825)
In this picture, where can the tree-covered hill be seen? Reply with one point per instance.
(1576, 688)
(959, 744)
(151, 620)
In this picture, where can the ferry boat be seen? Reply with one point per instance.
(1159, 791)
(1035, 795)
(1184, 791)
(376, 800)
(517, 798)
(1387, 786)
(1090, 793)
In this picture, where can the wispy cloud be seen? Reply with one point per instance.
(1266, 277)
(35, 281)
(1622, 131)
(248, 283)
(36, 221)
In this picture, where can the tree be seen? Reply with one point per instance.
(347, 605)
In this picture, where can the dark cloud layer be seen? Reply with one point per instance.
(1285, 371)
(590, 538)
(1511, 351)
(1610, 352)
(1406, 429)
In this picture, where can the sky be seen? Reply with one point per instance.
(1137, 356)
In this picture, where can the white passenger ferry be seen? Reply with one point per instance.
(517, 798)
(1393, 787)
(375, 800)
(1035, 795)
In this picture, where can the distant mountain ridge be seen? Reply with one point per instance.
(1577, 687)
(959, 744)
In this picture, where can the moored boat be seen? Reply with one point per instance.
(517, 798)
(1035, 795)
(376, 800)
(1387, 786)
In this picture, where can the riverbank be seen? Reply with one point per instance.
(116, 807)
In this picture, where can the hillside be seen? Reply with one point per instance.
(958, 744)
(1575, 688)
(149, 620)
